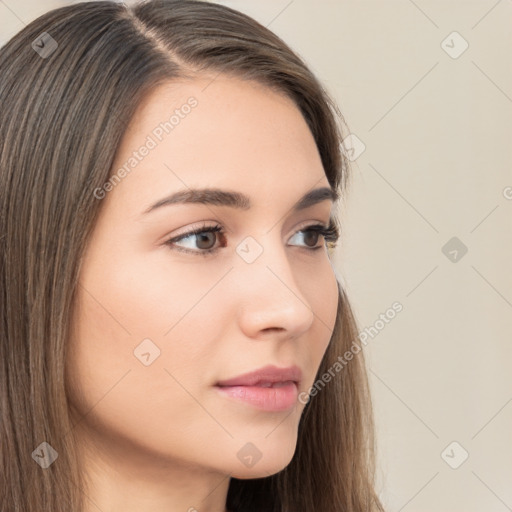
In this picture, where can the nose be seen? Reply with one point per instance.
(271, 303)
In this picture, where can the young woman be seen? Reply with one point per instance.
(171, 324)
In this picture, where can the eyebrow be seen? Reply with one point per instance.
(219, 197)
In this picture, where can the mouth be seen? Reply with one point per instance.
(269, 389)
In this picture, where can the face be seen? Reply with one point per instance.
(163, 315)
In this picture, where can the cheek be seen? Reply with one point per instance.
(124, 402)
(170, 312)
(144, 295)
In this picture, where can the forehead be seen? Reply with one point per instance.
(217, 131)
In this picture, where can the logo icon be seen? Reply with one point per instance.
(44, 455)
(454, 45)
(44, 45)
(454, 249)
(249, 249)
(249, 455)
(454, 455)
(146, 352)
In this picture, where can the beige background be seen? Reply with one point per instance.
(436, 165)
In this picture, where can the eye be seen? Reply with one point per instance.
(310, 234)
(205, 240)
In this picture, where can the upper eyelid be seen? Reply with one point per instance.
(223, 230)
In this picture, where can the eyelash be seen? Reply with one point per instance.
(330, 233)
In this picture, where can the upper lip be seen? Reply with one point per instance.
(270, 374)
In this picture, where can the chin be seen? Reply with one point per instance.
(276, 461)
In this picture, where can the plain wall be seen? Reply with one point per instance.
(436, 128)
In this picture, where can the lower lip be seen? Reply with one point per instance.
(273, 399)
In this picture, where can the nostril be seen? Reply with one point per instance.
(273, 329)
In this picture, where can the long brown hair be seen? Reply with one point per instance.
(66, 97)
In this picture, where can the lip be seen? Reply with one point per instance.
(270, 388)
(269, 373)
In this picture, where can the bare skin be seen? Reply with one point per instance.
(160, 437)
